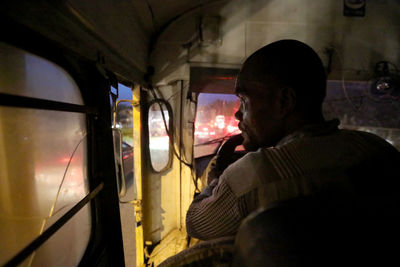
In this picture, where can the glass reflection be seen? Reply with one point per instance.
(42, 175)
(25, 74)
(158, 136)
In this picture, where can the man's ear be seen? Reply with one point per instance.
(287, 101)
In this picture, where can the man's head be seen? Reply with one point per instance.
(281, 88)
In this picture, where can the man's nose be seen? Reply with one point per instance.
(238, 115)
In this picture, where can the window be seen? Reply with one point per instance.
(216, 106)
(43, 165)
(25, 74)
(359, 108)
(215, 121)
(353, 103)
(121, 98)
(123, 135)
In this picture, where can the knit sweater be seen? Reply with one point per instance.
(306, 162)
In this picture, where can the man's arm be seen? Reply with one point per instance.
(215, 212)
(224, 157)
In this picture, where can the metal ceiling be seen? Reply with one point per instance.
(123, 31)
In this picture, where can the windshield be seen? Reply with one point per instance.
(215, 121)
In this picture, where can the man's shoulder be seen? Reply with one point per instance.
(336, 151)
(299, 157)
(368, 140)
(340, 139)
(244, 175)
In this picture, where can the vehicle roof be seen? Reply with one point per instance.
(132, 35)
(124, 31)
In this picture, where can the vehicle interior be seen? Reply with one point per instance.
(111, 110)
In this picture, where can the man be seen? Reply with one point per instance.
(293, 151)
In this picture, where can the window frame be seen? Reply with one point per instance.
(105, 240)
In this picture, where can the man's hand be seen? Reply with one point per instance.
(224, 157)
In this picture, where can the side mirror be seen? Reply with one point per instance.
(159, 123)
(119, 166)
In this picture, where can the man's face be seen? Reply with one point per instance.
(258, 114)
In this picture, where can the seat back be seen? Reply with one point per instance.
(308, 231)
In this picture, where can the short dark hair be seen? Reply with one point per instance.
(293, 64)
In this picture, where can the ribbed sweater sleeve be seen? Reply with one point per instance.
(215, 213)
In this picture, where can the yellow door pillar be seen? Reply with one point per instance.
(137, 158)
